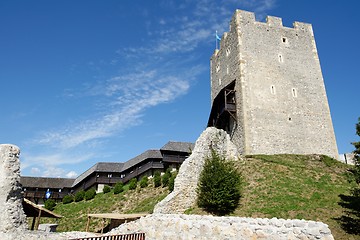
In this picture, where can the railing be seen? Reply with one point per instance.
(174, 158)
(132, 236)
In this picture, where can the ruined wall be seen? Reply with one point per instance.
(281, 100)
(184, 195)
(12, 217)
(180, 226)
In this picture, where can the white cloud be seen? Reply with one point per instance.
(71, 174)
(153, 78)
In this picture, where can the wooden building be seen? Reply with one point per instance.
(171, 155)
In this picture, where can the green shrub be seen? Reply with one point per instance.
(106, 189)
(119, 187)
(133, 184)
(166, 177)
(144, 182)
(157, 179)
(219, 188)
(90, 194)
(171, 182)
(79, 196)
(50, 204)
(67, 199)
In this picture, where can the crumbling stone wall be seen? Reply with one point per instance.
(180, 226)
(184, 194)
(12, 216)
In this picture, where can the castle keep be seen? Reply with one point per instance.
(267, 89)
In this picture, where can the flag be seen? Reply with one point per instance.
(217, 36)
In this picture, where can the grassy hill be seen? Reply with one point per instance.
(282, 186)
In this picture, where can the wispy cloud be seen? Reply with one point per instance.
(159, 72)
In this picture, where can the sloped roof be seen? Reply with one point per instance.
(138, 159)
(178, 147)
(99, 167)
(43, 182)
(32, 210)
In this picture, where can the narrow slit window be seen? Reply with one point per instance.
(273, 90)
(228, 51)
(281, 59)
(294, 93)
(218, 68)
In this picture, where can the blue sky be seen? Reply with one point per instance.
(89, 81)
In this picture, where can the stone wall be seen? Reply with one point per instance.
(184, 195)
(187, 227)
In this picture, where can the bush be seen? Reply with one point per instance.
(119, 187)
(67, 199)
(90, 194)
(144, 182)
(133, 184)
(166, 177)
(171, 182)
(79, 196)
(219, 188)
(157, 179)
(106, 189)
(50, 204)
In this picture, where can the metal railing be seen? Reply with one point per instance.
(132, 236)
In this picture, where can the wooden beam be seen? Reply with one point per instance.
(38, 221)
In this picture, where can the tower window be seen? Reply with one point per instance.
(281, 59)
(219, 81)
(294, 93)
(273, 89)
(284, 40)
(218, 67)
(228, 51)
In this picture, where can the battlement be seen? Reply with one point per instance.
(242, 17)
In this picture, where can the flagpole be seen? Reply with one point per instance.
(216, 45)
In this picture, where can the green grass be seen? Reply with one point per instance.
(282, 186)
(130, 201)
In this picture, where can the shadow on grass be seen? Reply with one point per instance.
(350, 220)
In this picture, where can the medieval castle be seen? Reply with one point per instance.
(267, 89)
(267, 92)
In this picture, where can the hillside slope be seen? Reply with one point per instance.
(282, 186)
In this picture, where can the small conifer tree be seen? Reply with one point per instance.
(157, 179)
(90, 194)
(219, 188)
(133, 184)
(119, 187)
(106, 189)
(79, 196)
(166, 177)
(67, 199)
(172, 182)
(50, 204)
(144, 182)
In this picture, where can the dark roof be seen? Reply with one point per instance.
(99, 167)
(178, 147)
(43, 182)
(138, 159)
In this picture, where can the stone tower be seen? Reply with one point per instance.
(267, 89)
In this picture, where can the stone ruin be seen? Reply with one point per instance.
(168, 220)
(184, 194)
(13, 224)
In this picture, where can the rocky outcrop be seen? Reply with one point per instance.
(184, 194)
(12, 217)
